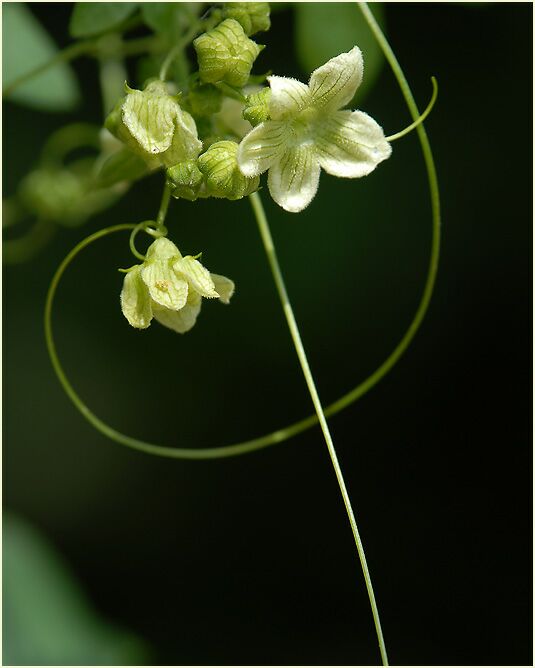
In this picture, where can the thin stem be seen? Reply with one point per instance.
(177, 48)
(269, 247)
(421, 119)
(164, 206)
(128, 48)
(285, 433)
(230, 91)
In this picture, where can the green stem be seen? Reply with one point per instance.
(269, 247)
(129, 48)
(192, 32)
(419, 120)
(283, 434)
(164, 206)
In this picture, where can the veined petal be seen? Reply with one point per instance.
(162, 249)
(150, 117)
(224, 286)
(262, 147)
(135, 300)
(185, 145)
(179, 321)
(350, 144)
(288, 97)
(293, 180)
(165, 287)
(197, 276)
(334, 84)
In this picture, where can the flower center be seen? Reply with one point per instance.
(303, 127)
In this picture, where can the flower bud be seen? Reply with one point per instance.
(223, 177)
(186, 179)
(154, 126)
(257, 107)
(252, 16)
(204, 101)
(226, 54)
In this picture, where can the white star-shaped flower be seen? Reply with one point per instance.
(307, 131)
(170, 288)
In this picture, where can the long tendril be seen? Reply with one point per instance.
(289, 431)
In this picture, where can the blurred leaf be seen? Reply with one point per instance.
(46, 618)
(92, 18)
(326, 29)
(162, 16)
(121, 166)
(25, 46)
(170, 18)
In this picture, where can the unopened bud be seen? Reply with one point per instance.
(257, 107)
(222, 175)
(252, 16)
(186, 179)
(203, 100)
(226, 54)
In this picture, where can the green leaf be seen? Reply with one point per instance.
(121, 166)
(46, 618)
(25, 46)
(326, 29)
(92, 18)
(163, 17)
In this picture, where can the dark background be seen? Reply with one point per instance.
(251, 560)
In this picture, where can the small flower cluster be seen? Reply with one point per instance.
(218, 136)
(169, 288)
(293, 130)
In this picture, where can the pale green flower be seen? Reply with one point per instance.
(170, 288)
(307, 132)
(153, 125)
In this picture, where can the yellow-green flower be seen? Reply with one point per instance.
(170, 287)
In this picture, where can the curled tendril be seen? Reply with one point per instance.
(150, 228)
(421, 118)
(344, 401)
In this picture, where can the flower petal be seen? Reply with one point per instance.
(150, 116)
(224, 286)
(186, 145)
(288, 97)
(135, 300)
(350, 144)
(334, 84)
(293, 180)
(162, 249)
(197, 276)
(262, 147)
(165, 287)
(179, 321)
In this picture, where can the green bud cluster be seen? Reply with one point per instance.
(257, 107)
(252, 16)
(214, 174)
(226, 54)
